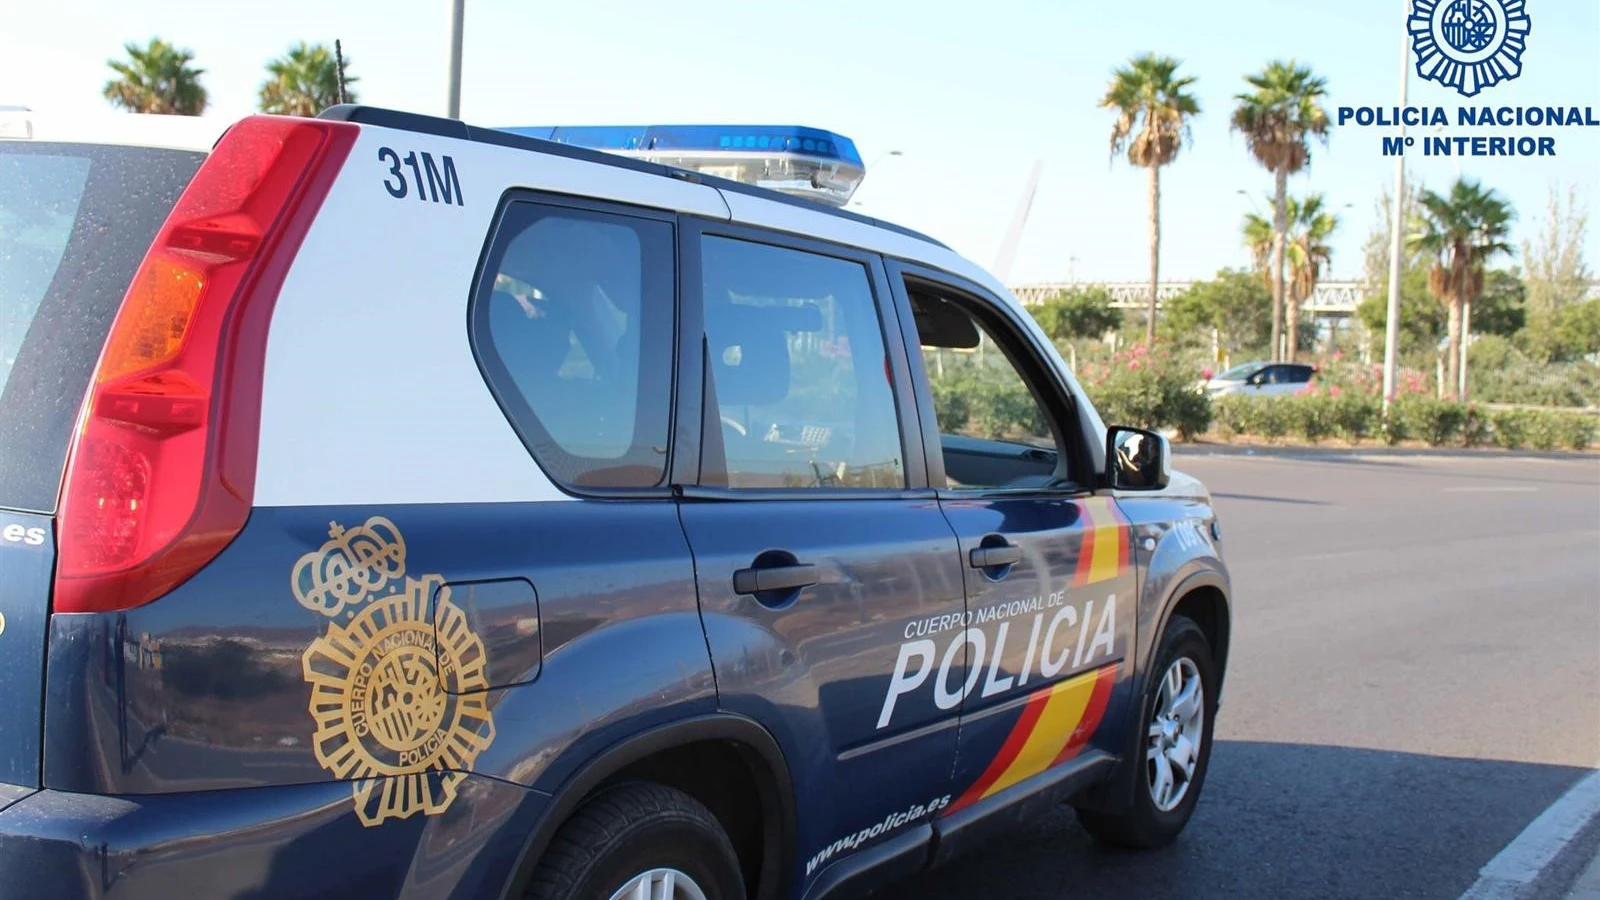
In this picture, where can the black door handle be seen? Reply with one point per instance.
(774, 578)
(993, 557)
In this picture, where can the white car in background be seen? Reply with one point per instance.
(1261, 379)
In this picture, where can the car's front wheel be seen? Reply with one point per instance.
(639, 841)
(1179, 713)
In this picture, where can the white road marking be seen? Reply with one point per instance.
(1491, 489)
(1516, 867)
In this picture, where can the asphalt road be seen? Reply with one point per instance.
(1415, 676)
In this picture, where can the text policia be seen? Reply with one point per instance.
(1057, 641)
(889, 823)
(1471, 117)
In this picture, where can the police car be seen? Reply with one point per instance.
(398, 508)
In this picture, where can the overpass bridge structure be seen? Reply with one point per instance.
(1331, 299)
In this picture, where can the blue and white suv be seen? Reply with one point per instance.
(396, 508)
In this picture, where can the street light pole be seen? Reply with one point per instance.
(1391, 331)
(456, 13)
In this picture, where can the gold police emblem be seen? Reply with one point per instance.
(398, 695)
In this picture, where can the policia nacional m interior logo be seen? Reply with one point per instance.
(398, 695)
(1469, 45)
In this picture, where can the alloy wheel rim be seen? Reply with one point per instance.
(1172, 748)
(660, 884)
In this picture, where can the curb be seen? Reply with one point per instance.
(1588, 884)
(1537, 852)
(1335, 452)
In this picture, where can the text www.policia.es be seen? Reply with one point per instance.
(890, 822)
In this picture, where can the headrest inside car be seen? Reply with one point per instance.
(750, 352)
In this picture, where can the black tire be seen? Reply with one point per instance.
(628, 830)
(1142, 824)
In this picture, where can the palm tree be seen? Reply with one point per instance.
(1153, 112)
(157, 79)
(1461, 233)
(304, 81)
(1309, 254)
(1306, 253)
(1276, 118)
(1258, 235)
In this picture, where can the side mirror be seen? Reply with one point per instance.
(1137, 460)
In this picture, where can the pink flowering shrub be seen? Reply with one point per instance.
(1148, 388)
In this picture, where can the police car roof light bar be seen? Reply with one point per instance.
(804, 162)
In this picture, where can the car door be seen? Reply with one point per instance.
(820, 552)
(1051, 597)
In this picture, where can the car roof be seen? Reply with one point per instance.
(198, 133)
(455, 128)
(747, 203)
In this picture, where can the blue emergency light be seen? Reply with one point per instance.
(804, 162)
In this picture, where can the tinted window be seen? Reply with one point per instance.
(1287, 375)
(994, 429)
(798, 370)
(1240, 372)
(39, 197)
(75, 221)
(575, 326)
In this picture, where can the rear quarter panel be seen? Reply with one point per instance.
(374, 405)
(373, 395)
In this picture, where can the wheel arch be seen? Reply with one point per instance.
(633, 754)
(1204, 596)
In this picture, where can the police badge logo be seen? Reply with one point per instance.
(1469, 44)
(398, 683)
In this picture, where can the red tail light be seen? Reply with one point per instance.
(162, 471)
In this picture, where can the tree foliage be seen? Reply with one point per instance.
(1235, 303)
(156, 78)
(1562, 326)
(1565, 336)
(1422, 319)
(1461, 232)
(1557, 275)
(304, 81)
(1077, 313)
(1502, 307)
(1278, 116)
(1153, 108)
(1307, 254)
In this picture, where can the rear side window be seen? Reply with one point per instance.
(574, 327)
(1287, 374)
(798, 369)
(75, 220)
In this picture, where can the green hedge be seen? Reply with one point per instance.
(1437, 423)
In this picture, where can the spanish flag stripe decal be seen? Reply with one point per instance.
(1106, 550)
(1056, 722)
(1103, 682)
(1086, 548)
(1008, 750)
(1068, 700)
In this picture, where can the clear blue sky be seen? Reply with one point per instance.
(971, 94)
